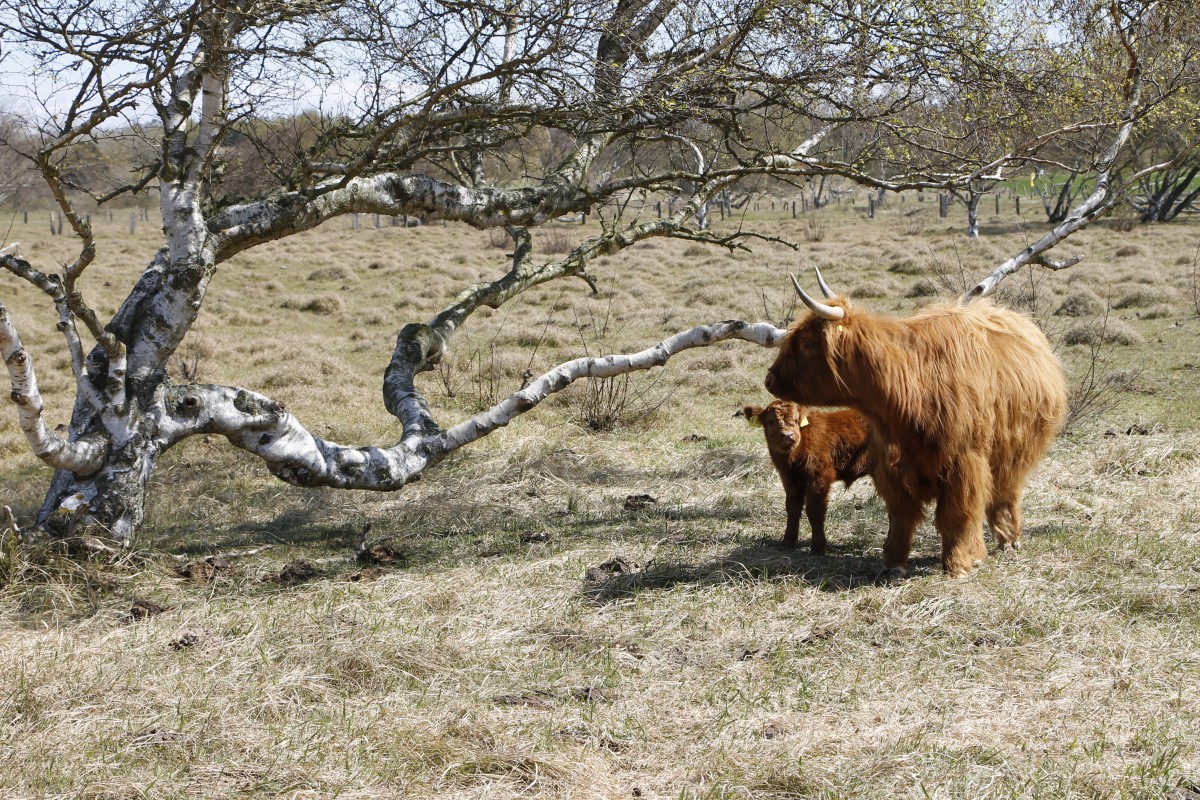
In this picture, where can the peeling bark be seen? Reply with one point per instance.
(83, 456)
(115, 496)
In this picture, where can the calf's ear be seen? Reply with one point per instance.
(751, 414)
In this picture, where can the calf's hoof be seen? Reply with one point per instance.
(1011, 547)
(890, 575)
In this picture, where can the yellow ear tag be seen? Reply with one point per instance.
(753, 422)
(840, 328)
(804, 420)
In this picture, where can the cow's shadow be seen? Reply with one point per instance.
(839, 570)
(846, 567)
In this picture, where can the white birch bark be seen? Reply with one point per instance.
(264, 427)
(83, 456)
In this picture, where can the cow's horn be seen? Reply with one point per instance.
(820, 309)
(825, 290)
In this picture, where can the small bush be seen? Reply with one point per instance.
(1111, 331)
(921, 289)
(814, 228)
(906, 266)
(604, 404)
(1159, 311)
(914, 222)
(332, 274)
(1139, 298)
(872, 289)
(557, 241)
(1124, 222)
(498, 238)
(324, 304)
(1081, 303)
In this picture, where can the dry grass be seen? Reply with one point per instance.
(498, 658)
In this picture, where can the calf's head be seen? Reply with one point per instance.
(782, 422)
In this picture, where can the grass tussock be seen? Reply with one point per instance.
(565, 611)
(323, 305)
(1107, 331)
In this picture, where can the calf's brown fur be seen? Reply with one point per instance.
(962, 402)
(811, 450)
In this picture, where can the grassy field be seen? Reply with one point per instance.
(539, 635)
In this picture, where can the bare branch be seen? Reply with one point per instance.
(1100, 201)
(81, 457)
(262, 426)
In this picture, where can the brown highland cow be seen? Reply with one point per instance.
(811, 451)
(962, 401)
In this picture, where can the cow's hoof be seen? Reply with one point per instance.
(890, 574)
(1011, 547)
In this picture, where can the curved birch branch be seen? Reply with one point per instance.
(420, 346)
(1098, 203)
(264, 427)
(52, 286)
(81, 457)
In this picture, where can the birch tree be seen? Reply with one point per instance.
(418, 107)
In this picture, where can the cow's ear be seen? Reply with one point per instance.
(751, 414)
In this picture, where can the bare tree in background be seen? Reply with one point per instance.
(16, 173)
(1164, 195)
(425, 108)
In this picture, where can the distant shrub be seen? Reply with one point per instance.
(1138, 298)
(914, 222)
(324, 304)
(498, 238)
(557, 241)
(1110, 331)
(1128, 250)
(871, 289)
(1160, 311)
(814, 228)
(695, 251)
(921, 289)
(1124, 222)
(906, 266)
(1080, 303)
(332, 274)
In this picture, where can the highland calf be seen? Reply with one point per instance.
(811, 451)
(962, 401)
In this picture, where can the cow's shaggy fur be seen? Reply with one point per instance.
(962, 402)
(811, 451)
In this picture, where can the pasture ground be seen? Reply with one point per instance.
(536, 637)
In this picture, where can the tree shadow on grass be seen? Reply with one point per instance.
(307, 526)
(445, 531)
